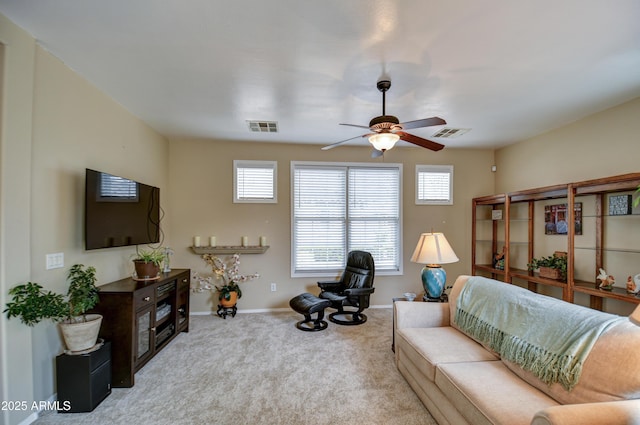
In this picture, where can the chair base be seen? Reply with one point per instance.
(356, 318)
(312, 325)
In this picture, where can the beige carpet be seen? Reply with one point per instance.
(260, 369)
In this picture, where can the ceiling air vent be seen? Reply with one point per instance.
(450, 133)
(263, 126)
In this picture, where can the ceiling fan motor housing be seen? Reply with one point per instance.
(384, 122)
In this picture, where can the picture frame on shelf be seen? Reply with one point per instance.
(555, 219)
(620, 204)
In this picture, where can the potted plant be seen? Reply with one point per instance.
(552, 267)
(32, 304)
(229, 272)
(147, 263)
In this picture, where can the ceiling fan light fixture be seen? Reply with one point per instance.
(383, 141)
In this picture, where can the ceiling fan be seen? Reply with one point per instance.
(386, 130)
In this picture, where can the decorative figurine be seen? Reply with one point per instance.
(636, 281)
(498, 259)
(632, 287)
(606, 281)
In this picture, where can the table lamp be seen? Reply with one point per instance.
(433, 250)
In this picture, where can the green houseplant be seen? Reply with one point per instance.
(553, 266)
(147, 263)
(32, 304)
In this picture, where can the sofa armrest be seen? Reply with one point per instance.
(604, 413)
(415, 314)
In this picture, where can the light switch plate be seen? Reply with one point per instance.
(55, 261)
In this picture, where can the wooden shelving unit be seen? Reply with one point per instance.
(501, 233)
(228, 250)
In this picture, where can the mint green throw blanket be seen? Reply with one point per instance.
(544, 335)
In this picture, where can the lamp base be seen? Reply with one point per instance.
(434, 279)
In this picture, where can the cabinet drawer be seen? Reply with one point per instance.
(183, 281)
(144, 298)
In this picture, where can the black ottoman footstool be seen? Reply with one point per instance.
(307, 304)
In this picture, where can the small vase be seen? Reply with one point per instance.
(233, 299)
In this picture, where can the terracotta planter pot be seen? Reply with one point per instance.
(233, 299)
(146, 270)
(79, 336)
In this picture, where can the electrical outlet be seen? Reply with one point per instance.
(273, 287)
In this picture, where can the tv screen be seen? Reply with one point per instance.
(119, 211)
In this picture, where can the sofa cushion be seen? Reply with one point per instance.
(428, 347)
(489, 393)
(609, 373)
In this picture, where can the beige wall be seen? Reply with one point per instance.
(18, 51)
(56, 126)
(604, 144)
(201, 190)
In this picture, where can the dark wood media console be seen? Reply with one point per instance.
(141, 318)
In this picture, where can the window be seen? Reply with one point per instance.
(434, 184)
(255, 181)
(337, 208)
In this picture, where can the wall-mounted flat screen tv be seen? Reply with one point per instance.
(119, 211)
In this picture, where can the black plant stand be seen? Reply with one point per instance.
(223, 311)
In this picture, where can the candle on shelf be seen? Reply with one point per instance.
(263, 241)
(245, 241)
(196, 241)
(212, 241)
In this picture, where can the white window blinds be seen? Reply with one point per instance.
(255, 181)
(114, 188)
(434, 184)
(340, 208)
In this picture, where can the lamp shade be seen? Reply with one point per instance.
(433, 248)
(383, 141)
(635, 316)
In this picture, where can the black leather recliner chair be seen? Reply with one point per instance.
(353, 289)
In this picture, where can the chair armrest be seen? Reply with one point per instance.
(359, 291)
(417, 314)
(331, 285)
(604, 413)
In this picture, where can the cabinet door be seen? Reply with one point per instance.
(144, 335)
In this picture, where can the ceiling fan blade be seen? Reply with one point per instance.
(419, 141)
(333, 145)
(427, 122)
(375, 153)
(355, 125)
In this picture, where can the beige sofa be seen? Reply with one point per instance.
(462, 382)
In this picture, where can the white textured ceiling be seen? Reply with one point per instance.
(506, 69)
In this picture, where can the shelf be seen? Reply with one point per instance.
(489, 268)
(535, 277)
(592, 248)
(601, 245)
(200, 250)
(616, 293)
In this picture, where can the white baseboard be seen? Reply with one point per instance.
(35, 415)
(266, 310)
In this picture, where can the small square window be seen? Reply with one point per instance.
(255, 181)
(434, 184)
